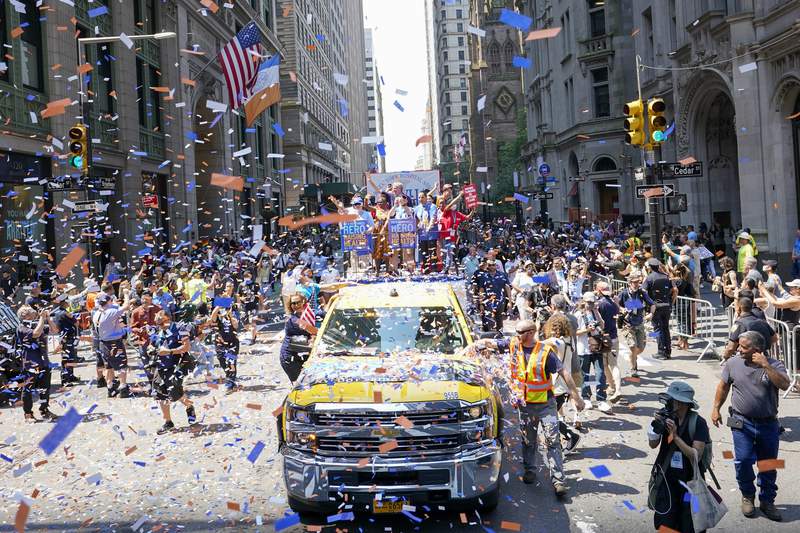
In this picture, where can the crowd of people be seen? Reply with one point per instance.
(184, 314)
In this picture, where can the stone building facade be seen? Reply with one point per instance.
(155, 141)
(374, 99)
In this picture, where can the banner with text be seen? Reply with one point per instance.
(355, 236)
(402, 233)
(413, 183)
(470, 196)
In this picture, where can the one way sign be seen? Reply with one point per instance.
(543, 196)
(655, 191)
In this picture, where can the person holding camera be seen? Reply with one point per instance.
(590, 348)
(755, 379)
(633, 301)
(226, 342)
(681, 436)
(31, 345)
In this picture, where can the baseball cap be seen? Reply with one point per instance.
(771, 263)
(692, 236)
(653, 262)
(103, 299)
(794, 283)
(589, 297)
(357, 200)
(743, 235)
(525, 325)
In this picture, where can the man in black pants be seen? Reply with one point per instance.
(661, 290)
(67, 324)
(31, 343)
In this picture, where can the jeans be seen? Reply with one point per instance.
(796, 268)
(39, 381)
(228, 359)
(587, 361)
(756, 441)
(661, 326)
(545, 414)
(69, 359)
(448, 251)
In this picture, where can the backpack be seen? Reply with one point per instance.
(704, 461)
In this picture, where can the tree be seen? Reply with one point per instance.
(509, 157)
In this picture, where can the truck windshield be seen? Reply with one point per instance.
(370, 331)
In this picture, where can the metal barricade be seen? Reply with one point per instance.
(695, 319)
(731, 314)
(784, 348)
(618, 285)
(594, 277)
(793, 362)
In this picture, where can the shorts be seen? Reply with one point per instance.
(114, 354)
(101, 363)
(168, 384)
(635, 336)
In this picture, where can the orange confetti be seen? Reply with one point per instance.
(62, 28)
(632, 379)
(363, 462)
(687, 161)
(655, 191)
(253, 406)
(193, 52)
(277, 412)
(233, 506)
(187, 81)
(311, 47)
(37, 465)
(404, 422)
(424, 139)
(386, 447)
(227, 182)
(211, 5)
(72, 259)
(130, 450)
(635, 32)
(463, 518)
(56, 66)
(293, 76)
(85, 68)
(22, 517)
(510, 526)
(548, 33)
(160, 89)
(56, 107)
(286, 10)
(16, 32)
(727, 454)
(332, 218)
(377, 396)
(768, 465)
(665, 529)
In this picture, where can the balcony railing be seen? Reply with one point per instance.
(105, 130)
(151, 142)
(15, 105)
(596, 46)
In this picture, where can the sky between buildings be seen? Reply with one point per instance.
(399, 37)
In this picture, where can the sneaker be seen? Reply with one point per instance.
(604, 407)
(660, 356)
(166, 428)
(770, 511)
(587, 404)
(635, 373)
(614, 398)
(29, 419)
(560, 489)
(47, 415)
(112, 392)
(191, 415)
(574, 439)
(748, 508)
(529, 477)
(125, 392)
(101, 383)
(67, 382)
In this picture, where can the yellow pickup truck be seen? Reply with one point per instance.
(385, 414)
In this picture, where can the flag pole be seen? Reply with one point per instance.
(204, 69)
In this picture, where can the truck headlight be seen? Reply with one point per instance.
(297, 414)
(474, 412)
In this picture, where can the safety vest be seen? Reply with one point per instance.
(533, 378)
(632, 245)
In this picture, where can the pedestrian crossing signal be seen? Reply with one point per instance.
(78, 147)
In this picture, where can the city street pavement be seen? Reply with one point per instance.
(114, 472)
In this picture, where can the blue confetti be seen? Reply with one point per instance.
(341, 516)
(634, 304)
(65, 425)
(398, 106)
(522, 62)
(278, 130)
(521, 198)
(600, 471)
(287, 521)
(629, 505)
(224, 303)
(255, 452)
(4, 457)
(140, 463)
(521, 22)
(381, 149)
(96, 12)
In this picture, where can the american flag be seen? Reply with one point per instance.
(308, 316)
(240, 60)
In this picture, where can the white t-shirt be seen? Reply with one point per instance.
(565, 355)
(329, 275)
(289, 282)
(525, 282)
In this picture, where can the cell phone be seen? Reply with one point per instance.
(735, 422)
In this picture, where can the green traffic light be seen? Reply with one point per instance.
(77, 161)
(659, 136)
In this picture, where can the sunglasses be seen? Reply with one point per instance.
(295, 303)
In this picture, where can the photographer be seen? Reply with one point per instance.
(633, 301)
(31, 346)
(590, 349)
(680, 435)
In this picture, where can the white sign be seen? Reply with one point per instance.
(413, 182)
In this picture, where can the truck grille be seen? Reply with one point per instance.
(368, 446)
(369, 419)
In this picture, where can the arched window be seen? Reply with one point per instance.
(508, 55)
(494, 57)
(604, 164)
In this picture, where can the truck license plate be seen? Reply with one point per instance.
(387, 507)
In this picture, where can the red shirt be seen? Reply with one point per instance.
(448, 224)
(141, 317)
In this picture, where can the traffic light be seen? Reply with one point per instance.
(658, 122)
(78, 147)
(634, 123)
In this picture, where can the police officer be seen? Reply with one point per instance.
(532, 365)
(660, 289)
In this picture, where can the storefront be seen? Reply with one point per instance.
(23, 200)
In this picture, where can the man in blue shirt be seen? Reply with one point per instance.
(428, 231)
(633, 301)
(495, 292)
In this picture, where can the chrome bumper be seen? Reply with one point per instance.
(470, 475)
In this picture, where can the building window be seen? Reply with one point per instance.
(268, 14)
(602, 98)
(604, 164)
(508, 55)
(460, 27)
(464, 110)
(597, 17)
(447, 69)
(462, 69)
(569, 96)
(566, 33)
(647, 20)
(459, 14)
(463, 96)
(460, 41)
(461, 55)
(445, 55)
(32, 74)
(494, 58)
(673, 26)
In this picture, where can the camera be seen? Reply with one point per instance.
(661, 416)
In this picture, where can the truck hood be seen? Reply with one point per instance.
(395, 378)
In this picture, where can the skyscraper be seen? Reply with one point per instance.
(374, 99)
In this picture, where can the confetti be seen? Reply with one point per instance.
(516, 20)
(68, 263)
(287, 522)
(255, 452)
(386, 447)
(21, 517)
(549, 33)
(768, 465)
(510, 526)
(727, 454)
(332, 218)
(210, 5)
(599, 471)
(65, 425)
(235, 183)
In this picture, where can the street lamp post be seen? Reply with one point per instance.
(86, 108)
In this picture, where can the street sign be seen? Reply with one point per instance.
(543, 196)
(655, 191)
(62, 183)
(107, 184)
(86, 206)
(671, 171)
(544, 170)
(678, 204)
